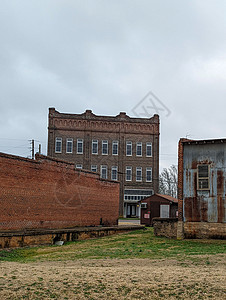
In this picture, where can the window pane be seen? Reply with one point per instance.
(149, 149)
(95, 147)
(80, 146)
(115, 147)
(104, 147)
(94, 168)
(139, 149)
(114, 173)
(148, 174)
(58, 145)
(78, 166)
(129, 148)
(128, 173)
(104, 172)
(69, 146)
(139, 174)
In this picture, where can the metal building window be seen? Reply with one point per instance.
(138, 174)
(128, 148)
(69, 146)
(79, 146)
(115, 148)
(94, 168)
(103, 172)
(149, 174)
(149, 149)
(139, 149)
(114, 173)
(94, 146)
(203, 177)
(104, 147)
(58, 145)
(128, 173)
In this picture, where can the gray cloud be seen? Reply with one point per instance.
(106, 56)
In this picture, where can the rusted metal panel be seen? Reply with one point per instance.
(204, 205)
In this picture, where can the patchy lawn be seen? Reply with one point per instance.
(136, 265)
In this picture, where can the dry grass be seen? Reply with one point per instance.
(114, 279)
(128, 266)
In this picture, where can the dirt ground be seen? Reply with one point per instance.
(202, 278)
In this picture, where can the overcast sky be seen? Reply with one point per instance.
(107, 56)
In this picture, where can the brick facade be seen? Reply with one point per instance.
(49, 193)
(88, 127)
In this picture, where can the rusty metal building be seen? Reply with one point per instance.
(120, 148)
(202, 188)
(158, 206)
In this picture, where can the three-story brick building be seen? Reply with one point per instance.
(119, 148)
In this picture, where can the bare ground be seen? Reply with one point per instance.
(202, 278)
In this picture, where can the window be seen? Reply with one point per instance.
(58, 145)
(149, 174)
(104, 147)
(78, 166)
(94, 146)
(128, 148)
(114, 173)
(94, 168)
(115, 148)
(139, 149)
(69, 146)
(128, 173)
(203, 177)
(148, 149)
(79, 146)
(103, 172)
(138, 174)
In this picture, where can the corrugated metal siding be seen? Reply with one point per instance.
(205, 206)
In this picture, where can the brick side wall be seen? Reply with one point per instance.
(48, 193)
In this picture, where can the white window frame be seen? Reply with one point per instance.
(103, 167)
(114, 168)
(201, 178)
(96, 143)
(114, 143)
(79, 166)
(78, 142)
(94, 167)
(68, 141)
(148, 169)
(128, 146)
(139, 144)
(149, 144)
(128, 176)
(105, 142)
(139, 169)
(58, 140)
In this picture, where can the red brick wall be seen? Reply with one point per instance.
(48, 193)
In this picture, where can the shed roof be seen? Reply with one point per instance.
(166, 197)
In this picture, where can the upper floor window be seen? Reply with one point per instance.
(203, 177)
(58, 145)
(149, 174)
(129, 148)
(94, 146)
(139, 149)
(78, 166)
(79, 146)
(103, 172)
(94, 168)
(139, 174)
(115, 148)
(148, 149)
(69, 145)
(114, 173)
(104, 147)
(128, 173)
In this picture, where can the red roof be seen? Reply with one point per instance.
(167, 197)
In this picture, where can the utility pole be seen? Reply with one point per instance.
(33, 149)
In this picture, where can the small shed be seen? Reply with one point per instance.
(158, 206)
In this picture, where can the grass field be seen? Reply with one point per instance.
(136, 265)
